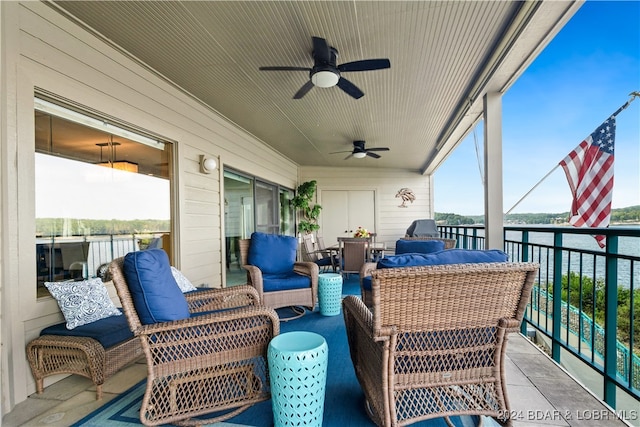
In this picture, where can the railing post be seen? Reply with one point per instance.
(525, 258)
(611, 321)
(557, 296)
(474, 241)
(111, 246)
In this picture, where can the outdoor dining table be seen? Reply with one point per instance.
(377, 249)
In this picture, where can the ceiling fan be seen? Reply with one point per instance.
(359, 152)
(325, 72)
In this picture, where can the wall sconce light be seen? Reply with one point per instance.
(207, 164)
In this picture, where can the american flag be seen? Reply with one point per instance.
(589, 170)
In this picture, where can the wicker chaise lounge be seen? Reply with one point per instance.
(433, 344)
(211, 364)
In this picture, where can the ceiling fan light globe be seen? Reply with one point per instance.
(325, 79)
(360, 155)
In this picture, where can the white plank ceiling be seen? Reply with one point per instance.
(444, 56)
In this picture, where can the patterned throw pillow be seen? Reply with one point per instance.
(82, 302)
(183, 283)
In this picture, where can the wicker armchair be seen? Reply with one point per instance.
(212, 365)
(434, 343)
(287, 297)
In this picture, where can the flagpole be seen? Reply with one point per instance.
(633, 96)
(533, 188)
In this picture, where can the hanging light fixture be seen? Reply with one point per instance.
(123, 165)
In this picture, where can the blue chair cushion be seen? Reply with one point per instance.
(284, 282)
(108, 331)
(154, 291)
(418, 246)
(272, 253)
(449, 256)
(366, 283)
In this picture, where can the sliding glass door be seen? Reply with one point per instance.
(251, 204)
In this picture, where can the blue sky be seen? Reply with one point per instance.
(584, 75)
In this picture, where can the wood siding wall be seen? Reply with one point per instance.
(49, 53)
(391, 220)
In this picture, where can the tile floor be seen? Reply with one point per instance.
(541, 394)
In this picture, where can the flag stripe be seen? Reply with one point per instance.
(589, 171)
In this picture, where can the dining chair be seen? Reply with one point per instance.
(353, 252)
(311, 254)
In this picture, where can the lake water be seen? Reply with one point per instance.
(627, 245)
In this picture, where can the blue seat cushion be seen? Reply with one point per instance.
(108, 331)
(272, 253)
(418, 246)
(154, 291)
(448, 256)
(324, 262)
(284, 282)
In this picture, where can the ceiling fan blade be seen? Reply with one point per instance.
(303, 90)
(284, 69)
(350, 88)
(365, 65)
(321, 51)
(340, 152)
(374, 155)
(348, 157)
(377, 149)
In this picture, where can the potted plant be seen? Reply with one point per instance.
(309, 212)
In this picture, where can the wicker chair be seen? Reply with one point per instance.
(305, 297)
(434, 343)
(212, 365)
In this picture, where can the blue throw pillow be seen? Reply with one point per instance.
(154, 291)
(272, 253)
(449, 256)
(418, 246)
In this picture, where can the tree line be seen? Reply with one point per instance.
(46, 227)
(628, 215)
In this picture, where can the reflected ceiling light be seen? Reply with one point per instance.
(360, 155)
(123, 165)
(207, 164)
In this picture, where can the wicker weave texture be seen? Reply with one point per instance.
(306, 297)
(212, 365)
(433, 343)
(56, 354)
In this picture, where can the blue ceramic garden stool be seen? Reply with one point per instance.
(298, 375)
(330, 293)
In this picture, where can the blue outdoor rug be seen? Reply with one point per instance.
(344, 401)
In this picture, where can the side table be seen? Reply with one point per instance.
(298, 375)
(330, 293)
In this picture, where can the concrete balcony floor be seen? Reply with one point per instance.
(540, 392)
